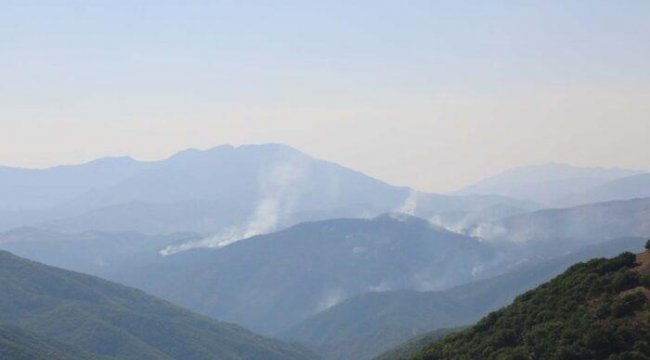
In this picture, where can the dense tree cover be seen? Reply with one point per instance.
(595, 310)
(18, 344)
(50, 306)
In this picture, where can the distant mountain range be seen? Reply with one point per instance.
(49, 313)
(36, 189)
(556, 184)
(226, 192)
(630, 187)
(551, 232)
(368, 324)
(287, 245)
(231, 193)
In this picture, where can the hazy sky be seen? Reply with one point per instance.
(431, 94)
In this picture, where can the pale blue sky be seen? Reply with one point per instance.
(432, 94)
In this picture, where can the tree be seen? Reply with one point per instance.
(647, 245)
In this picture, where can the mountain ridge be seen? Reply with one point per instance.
(250, 188)
(269, 281)
(116, 322)
(548, 183)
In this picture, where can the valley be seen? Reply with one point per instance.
(347, 273)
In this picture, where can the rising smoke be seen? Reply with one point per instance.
(280, 189)
(410, 205)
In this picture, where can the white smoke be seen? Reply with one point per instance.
(477, 270)
(280, 190)
(222, 239)
(461, 226)
(381, 287)
(488, 231)
(410, 207)
(410, 204)
(358, 250)
(330, 298)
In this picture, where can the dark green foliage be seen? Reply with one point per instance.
(111, 321)
(645, 280)
(622, 261)
(647, 245)
(595, 310)
(628, 304)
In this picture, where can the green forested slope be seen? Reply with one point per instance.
(18, 344)
(595, 310)
(106, 319)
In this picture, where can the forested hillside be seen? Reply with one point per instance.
(18, 344)
(50, 307)
(595, 310)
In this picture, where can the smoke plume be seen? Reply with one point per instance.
(280, 189)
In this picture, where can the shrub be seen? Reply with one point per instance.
(625, 280)
(626, 259)
(628, 304)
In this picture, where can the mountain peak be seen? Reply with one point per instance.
(545, 183)
(269, 148)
